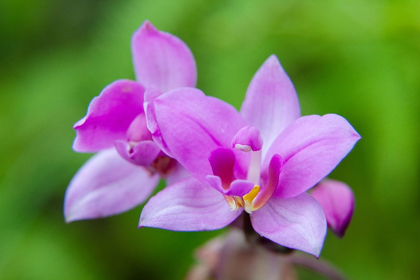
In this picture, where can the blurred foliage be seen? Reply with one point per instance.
(359, 59)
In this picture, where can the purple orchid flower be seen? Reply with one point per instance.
(262, 160)
(128, 164)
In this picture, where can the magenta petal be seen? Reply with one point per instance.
(271, 103)
(109, 116)
(270, 187)
(151, 93)
(311, 147)
(188, 205)
(298, 223)
(240, 187)
(142, 153)
(162, 60)
(337, 200)
(177, 173)
(188, 126)
(137, 131)
(153, 127)
(236, 188)
(107, 185)
(216, 183)
(222, 161)
(247, 139)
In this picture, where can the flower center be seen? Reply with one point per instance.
(245, 201)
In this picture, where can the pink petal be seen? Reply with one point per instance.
(247, 139)
(311, 147)
(151, 93)
(142, 153)
(271, 103)
(109, 116)
(188, 205)
(107, 185)
(274, 170)
(298, 223)
(137, 131)
(153, 127)
(237, 187)
(188, 126)
(337, 200)
(177, 173)
(222, 161)
(240, 187)
(216, 183)
(162, 60)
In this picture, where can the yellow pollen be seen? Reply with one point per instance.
(231, 202)
(249, 197)
(236, 202)
(239, 201)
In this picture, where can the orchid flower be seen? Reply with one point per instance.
(128, 164)
(261, 160)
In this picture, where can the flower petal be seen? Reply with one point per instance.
(337, 200)
(222, 161)
(270, 187)
(142, 153)
(240, 187)
(107, 185)
(298, 223)
(311, 147)
(216, 183)
(109, 116)
(271, 102)
(237, 187)
(188, 205)
(247, 139)
(178, 173)
(151, 93)
(137, 131)
(162, 60)
(188, 126)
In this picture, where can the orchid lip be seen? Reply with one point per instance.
(256, 197)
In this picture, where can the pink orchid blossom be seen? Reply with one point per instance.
(261, 160)
(128, 164)
(337, 200)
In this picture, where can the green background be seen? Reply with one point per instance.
(359, 59)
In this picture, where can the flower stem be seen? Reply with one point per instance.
(274, 247)
(250, 235)
(322, 267)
